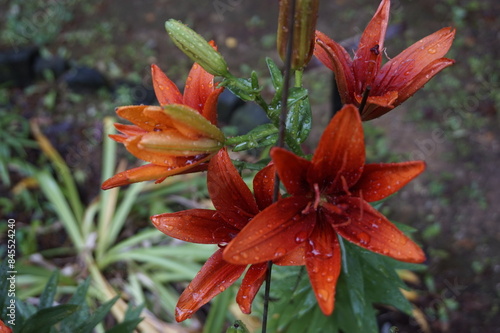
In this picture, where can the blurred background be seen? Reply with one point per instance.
(65, 65)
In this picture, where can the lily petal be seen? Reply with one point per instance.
(210, 107)
(372, 231)
(368, 58)
(229, 193)
(134, 114)
(323, 262)
(275, 231)
(296, 257)
(129, 130)
(336, 58)
(378, 105)
(213, 278)
(196, 226)
(151, 172)
(263, 186)
(292, 171)
(338, 161)
(166, 91)
(380, 180)
(403, 68)
(422, 78)
(250, 285)
(199, 85)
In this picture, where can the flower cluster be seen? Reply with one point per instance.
(327, 197)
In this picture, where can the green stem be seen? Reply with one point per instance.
(281, 144)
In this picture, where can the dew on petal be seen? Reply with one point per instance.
(323, 294)
(169, 227)
(222, 288)
(300, 237)
(364, 238)
(236, 257)
(432, 51)
(279, 252)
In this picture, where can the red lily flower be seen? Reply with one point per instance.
(397, 80)
(235, 206)
(177, 137)
(4, 328)
(328, 197)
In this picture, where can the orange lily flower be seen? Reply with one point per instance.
(235, 206)
(397, 80)
(177, 137)
(329, 197)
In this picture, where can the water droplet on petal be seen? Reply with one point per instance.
(222, 288)
(300, 237)
(364, 238)
(279, 252)
(244, 255)
(236, 257)
(169, 227)
(323, 294)
(432, 51)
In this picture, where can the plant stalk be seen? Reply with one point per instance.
(281, 144)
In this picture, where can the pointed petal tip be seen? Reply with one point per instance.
(115, 181)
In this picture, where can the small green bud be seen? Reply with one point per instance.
(197, 48)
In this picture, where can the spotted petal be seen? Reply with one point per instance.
(372, 231)
(272, 233)
(213, 278)
(292, 171)
(383, 179)
(196, 226)
(338, 161)
(229, 193)
(368, 58)
(250, 285)
(166, 91)
(323, 262)
(336, 58)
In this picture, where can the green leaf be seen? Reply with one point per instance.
(43, 320)
(218, 312)
(299, 120)
(276, 76)
(242, 88)
(238, 327)
(97, 316)
(49, 293)
(79, 318)
(261, 136)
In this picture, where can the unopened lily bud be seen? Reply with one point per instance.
(304, 26)
(196, 48)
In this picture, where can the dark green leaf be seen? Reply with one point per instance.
(218, 312)
(49, 293)
(261, 136)
(43, 320)
(276, 76)
(299, 120)
(97, 316)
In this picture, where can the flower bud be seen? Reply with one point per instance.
(304, 26)
(196, 48)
